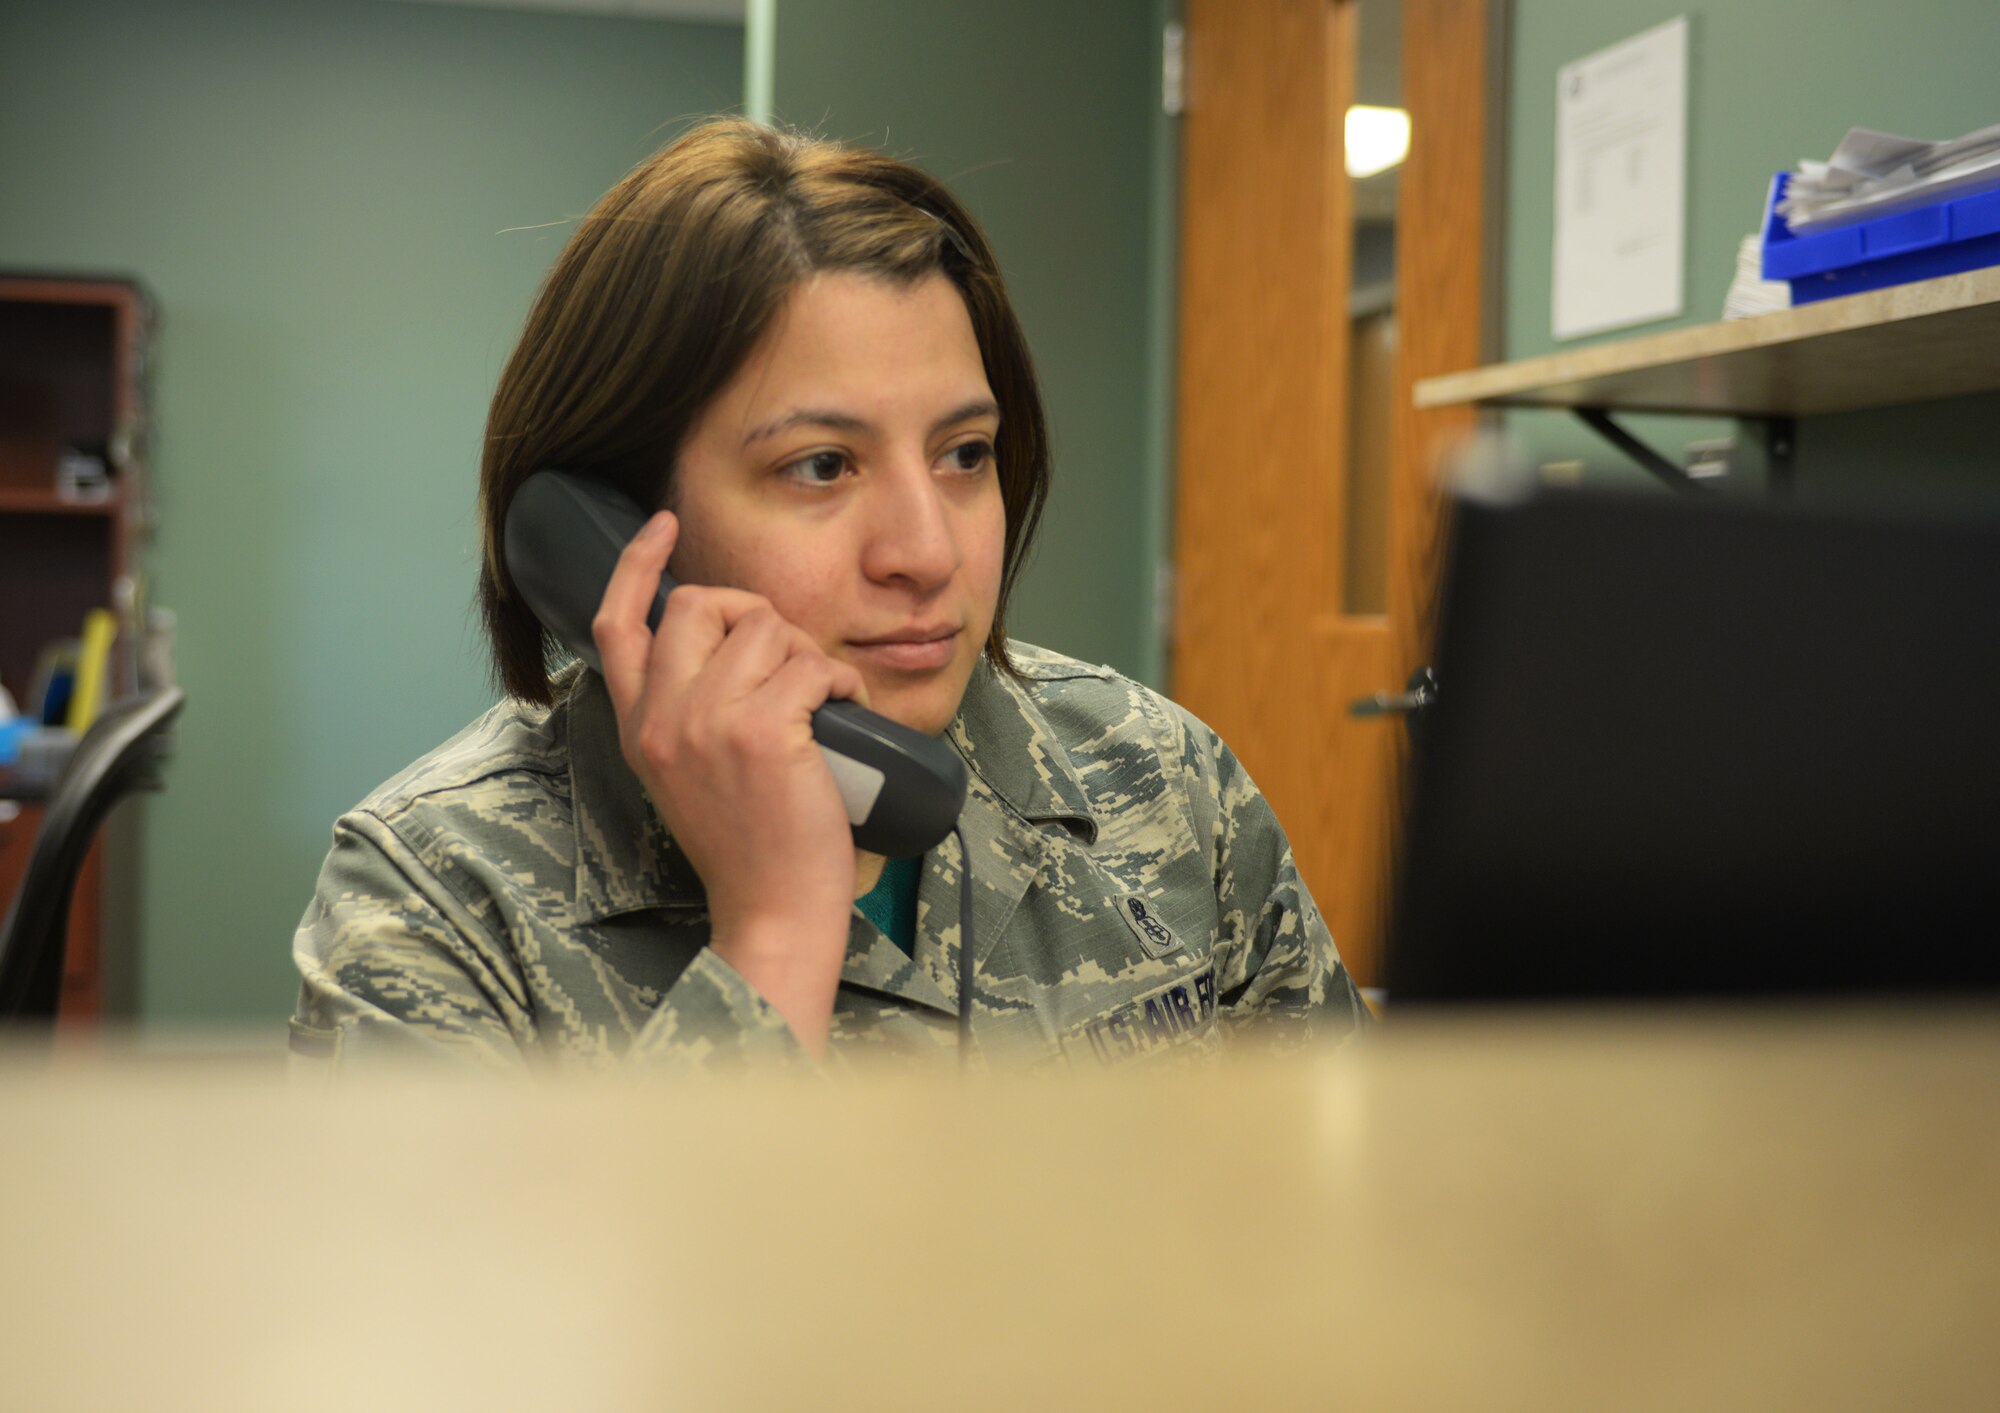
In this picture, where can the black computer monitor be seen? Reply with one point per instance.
(1707, 748)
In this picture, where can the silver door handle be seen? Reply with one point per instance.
(1419, 693)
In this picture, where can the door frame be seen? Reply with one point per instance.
(1261, 647)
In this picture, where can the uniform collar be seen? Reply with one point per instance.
(1010, 745)
(627, 861)
(1022, 780)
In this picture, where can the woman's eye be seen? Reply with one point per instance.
(970, 456)
(822, 468)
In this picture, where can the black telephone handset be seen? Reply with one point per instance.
(903, 789)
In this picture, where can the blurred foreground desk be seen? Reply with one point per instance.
(1674, 1213)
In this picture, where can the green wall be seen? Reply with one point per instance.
(337, 205)
(323, 196)
(1769, 82)
(1044, 116)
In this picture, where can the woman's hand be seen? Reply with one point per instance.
(714, 715)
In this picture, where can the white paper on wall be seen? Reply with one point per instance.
(1621, 183)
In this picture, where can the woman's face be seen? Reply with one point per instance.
(847, 474)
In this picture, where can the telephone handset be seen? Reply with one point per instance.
(903, 790)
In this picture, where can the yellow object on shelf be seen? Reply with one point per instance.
(93, 661)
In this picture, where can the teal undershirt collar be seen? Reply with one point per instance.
(892, 903)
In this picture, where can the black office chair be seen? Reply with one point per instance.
(118, 755)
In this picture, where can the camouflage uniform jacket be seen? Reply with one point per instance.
(513, 895)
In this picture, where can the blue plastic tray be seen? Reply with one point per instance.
(1919, 244)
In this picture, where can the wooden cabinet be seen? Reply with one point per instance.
(73, 378)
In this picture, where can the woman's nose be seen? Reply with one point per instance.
(911, 533)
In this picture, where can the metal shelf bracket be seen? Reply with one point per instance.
(1780, 445)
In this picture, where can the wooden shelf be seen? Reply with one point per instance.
(1908, 343)
(16, 500)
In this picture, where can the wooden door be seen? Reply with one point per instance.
(1270, 644)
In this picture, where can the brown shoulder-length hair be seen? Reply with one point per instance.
(663, 291)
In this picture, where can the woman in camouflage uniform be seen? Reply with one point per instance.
(803, 355)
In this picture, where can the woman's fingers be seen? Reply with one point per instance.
(803, 683)
(699, 627)
(697, 622)
(739, 678)
(624, 642)
(724, 671)
(848, 683)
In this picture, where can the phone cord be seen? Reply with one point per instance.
(965, 950)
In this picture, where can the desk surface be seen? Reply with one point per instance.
(1542, 1212)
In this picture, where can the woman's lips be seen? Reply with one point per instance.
(919, 656)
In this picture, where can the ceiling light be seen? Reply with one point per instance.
(1377, 139)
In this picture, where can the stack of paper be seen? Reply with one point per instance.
(1876, 173)
(1750, 293)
